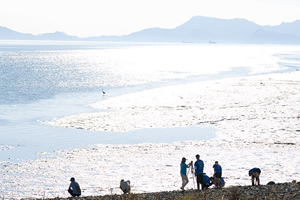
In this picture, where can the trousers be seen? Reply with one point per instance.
(185, 180)
(199, 181)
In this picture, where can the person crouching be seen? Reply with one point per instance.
(206, 181)
(221, 184)
(125, 186)
(74, 188)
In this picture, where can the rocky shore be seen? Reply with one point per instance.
(280, 191)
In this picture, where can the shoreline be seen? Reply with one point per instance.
(258, 126)
(276, 191)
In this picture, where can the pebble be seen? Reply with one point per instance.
(279, 191)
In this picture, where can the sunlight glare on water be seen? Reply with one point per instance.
(34, 72)
(195, 59)
(42, 82)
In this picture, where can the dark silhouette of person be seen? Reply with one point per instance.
(183, 167)
(217, 173)
(199, 167)
(74, 188)
(255, 173)
(125, 186)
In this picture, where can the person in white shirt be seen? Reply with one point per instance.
(125, 186)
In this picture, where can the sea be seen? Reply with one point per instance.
(44, 80)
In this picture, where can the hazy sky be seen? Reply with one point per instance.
(85, 18)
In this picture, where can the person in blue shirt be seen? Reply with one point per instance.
(183, 167)
(206, 181)
(199, 166)
(255, 173)
(222, 181)
(217, 173)
(74, 188)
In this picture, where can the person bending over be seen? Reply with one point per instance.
(255, 173)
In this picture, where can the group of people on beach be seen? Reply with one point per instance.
(203, 181)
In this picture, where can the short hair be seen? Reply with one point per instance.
(197, 156)
(72, 179)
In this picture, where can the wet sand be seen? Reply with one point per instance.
(258, 122)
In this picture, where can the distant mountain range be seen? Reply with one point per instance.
(197, 30)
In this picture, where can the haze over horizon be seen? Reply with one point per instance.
(96, 18)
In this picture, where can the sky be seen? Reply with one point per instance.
(85, 18)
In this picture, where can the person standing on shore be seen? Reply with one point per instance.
(74, 188)
(255, 173)
(199, 166)
(183, 167)
(217, 173)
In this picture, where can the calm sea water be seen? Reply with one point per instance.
(43, 80)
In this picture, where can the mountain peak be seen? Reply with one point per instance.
(215, 25)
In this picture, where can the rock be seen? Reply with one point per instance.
(271, 183)
(272, 191)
